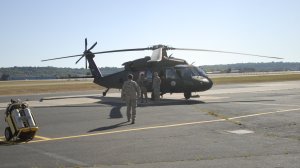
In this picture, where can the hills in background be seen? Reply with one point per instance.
(253, 67)
(21, 73)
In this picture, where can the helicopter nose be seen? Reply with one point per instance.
(210, 83)
(201, 79)
(204, 81)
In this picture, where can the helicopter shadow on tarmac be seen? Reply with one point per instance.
(117, 104)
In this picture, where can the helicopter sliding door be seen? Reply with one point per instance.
(149, 76)
(172, 82)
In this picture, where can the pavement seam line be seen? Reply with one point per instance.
(287, 105)
(56, 156)
(212, 113)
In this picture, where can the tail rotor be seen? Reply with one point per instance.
(86, 52)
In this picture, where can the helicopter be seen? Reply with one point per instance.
(177, 76)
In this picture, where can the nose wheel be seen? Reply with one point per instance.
(187, 95)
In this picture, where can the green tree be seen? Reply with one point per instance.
(5, 77)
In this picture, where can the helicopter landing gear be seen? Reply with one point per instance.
(104, 93)
(187, 95)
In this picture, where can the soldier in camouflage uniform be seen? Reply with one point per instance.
(130, 92)
(156, 86)
(142, 82)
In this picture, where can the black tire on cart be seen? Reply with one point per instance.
(8, 134)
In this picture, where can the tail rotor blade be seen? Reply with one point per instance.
(92, 46)
(85, 63)
(79, 59)
(85, 44)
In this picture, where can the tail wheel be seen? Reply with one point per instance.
(8, 134)
(187, 95)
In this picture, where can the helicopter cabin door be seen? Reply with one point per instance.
(172, 81)
(149, 76)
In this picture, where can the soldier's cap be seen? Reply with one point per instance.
(130, 76)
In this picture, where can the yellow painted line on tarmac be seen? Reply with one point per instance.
(164, 126)
(266, 113)
(41, 137)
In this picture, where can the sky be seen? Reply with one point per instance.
(33, 30)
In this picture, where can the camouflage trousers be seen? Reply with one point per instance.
(131, 108)
(144, 94)
(156, 93)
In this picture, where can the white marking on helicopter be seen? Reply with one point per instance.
(173, 83)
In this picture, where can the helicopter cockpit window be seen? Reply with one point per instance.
(198, 71)
(171, 73)
(189, 72)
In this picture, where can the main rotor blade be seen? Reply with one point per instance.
(62, 57)
(227, 52)
(92, 46)
(123, 50)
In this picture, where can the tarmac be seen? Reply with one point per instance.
(236, 125)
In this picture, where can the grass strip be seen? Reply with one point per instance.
(255, 79)
(50, 86)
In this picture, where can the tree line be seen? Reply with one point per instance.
(22, 73)
(253, 67)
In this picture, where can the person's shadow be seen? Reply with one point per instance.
(109, 127)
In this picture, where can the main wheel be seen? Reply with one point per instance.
(8, 134)
(187, 95)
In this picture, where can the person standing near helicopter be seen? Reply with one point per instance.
(142, 82)
(156, 86)
(130, 92)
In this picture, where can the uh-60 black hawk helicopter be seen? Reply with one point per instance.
(177, 75)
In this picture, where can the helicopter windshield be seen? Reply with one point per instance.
(189, 71)
(199, 71)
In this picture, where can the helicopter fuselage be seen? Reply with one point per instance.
(176, 79)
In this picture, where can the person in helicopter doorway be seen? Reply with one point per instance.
(142, 82)
(156, 86)
(130, 92)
